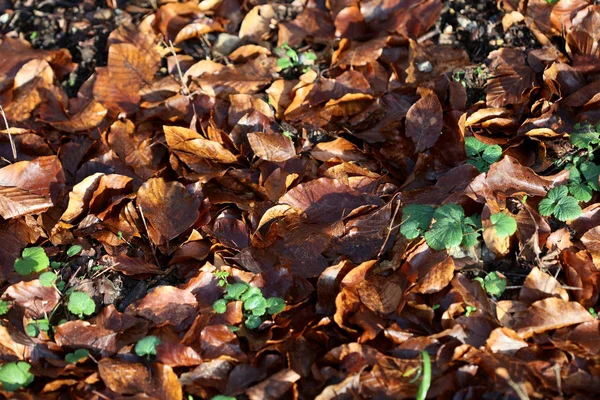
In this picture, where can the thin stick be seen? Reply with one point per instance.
(186, 90)
(390, 228)
(10, 138)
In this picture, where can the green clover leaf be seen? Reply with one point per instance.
(146, 347)
(33, 259)
(505, 224)
(77, 356)
(81, 304)
(15, 375)
(417, 219)
(220, 306)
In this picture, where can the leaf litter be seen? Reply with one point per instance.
(302, 200)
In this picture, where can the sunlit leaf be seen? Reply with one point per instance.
(147, 346)
(505, 224)
(15, 375)
(33, 259)
(416, 219)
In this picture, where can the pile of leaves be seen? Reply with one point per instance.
(303, 200)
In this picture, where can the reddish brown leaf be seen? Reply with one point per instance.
(272, 146)
(424, 122)
(169, 208)
(36, 299)
(548, 314)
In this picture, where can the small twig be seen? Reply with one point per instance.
(148, 233)
(556, 369)
(391, 227)
(186, 90)
(10, 138)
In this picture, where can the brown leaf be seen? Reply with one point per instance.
(582, 273)
(82, 334)
(134, 266)
(177, 355)
(272, 146)
(169, 305)
(169, 208)
(256, 24)
(219, 340)
(326, 200)
(540, 285)
(504, 340)
(548, 314)
(274, 387)
(591, 240)
(32, 82)
(15, 202)
(189, 146)
(80, 197)
(424, 122)
(157, 380)
(37, 300)
(39, 176)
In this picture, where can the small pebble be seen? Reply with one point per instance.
(425, 66)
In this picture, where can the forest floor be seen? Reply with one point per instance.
(300, 199)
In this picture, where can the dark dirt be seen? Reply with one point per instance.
(477, 27)
(82, 27)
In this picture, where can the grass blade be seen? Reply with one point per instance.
(426, 381)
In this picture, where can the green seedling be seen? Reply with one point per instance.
(583, 180)
(222, 277)
(450, 227)
(146, 347)
(481, 155)
(33, 329)
(77, 356)
(494, 284)
(47, 279)
(593, 312)
(505, 224)
(255, 306)
(15, 375)
(222, 397)
(559, 204)
(289, 58)
(4, 307)
(33, 259)
(81, 304)
(426, 380)
(74, 250)
(469, 310)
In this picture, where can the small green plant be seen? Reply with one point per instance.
(426, 380)
(81, 304)
(586, 136)
(33, 259)
(469, 310)
(4, 307)
(505, 224)
(33, 35)
(33, 329)
(481, 155)
(494, 284)
(77, 356)
(289, 58)
(593, 312)
(47, 279)
(146, 347)
(450, 227)
(74, 250)
(222, 277)
(559, 204)
(255, 305)
(222, 397)
(583, 180)
(15, 375)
